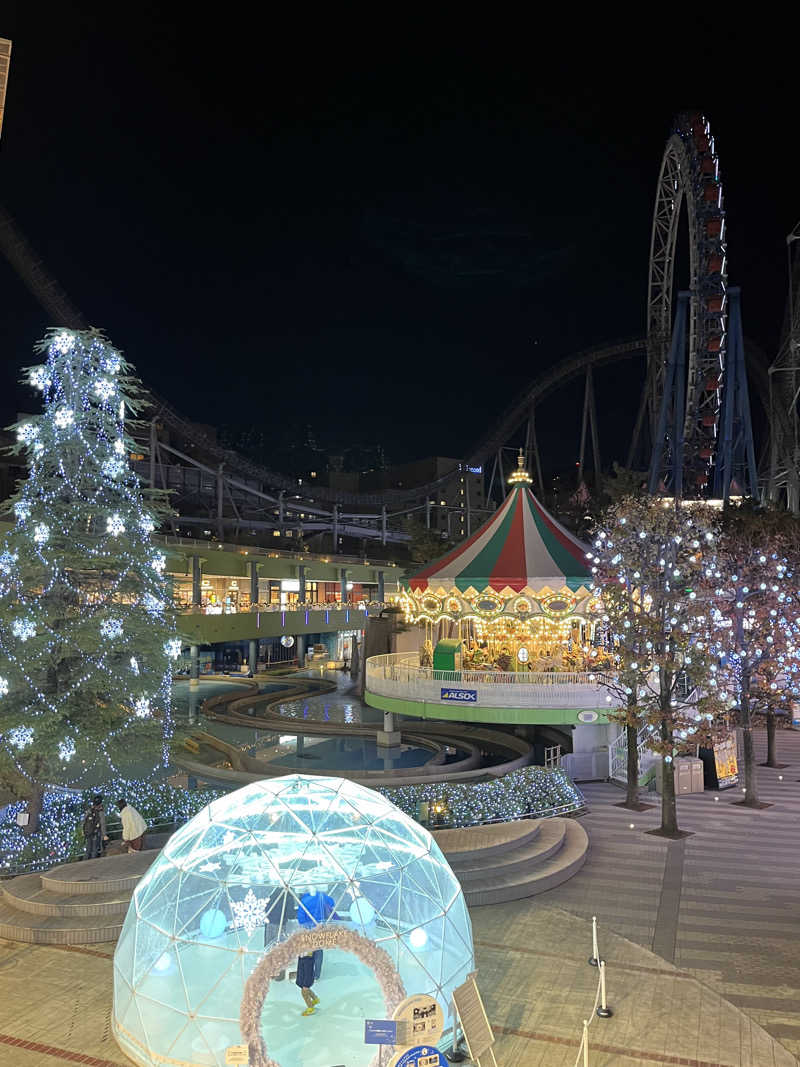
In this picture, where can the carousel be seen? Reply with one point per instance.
(515, 597)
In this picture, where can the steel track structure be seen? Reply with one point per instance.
(784, 387)
(690, 174)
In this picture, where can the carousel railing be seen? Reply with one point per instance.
(400, 672)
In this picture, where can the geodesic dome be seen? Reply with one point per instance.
(229, 887)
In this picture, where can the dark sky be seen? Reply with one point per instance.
(385, 240)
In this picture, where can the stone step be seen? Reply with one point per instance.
(517, 862)
(57, 930)
(26, 894)
(497, 888)
(490, 840)
(106, 875)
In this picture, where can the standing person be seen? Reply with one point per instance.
(305, 980)
(133, 826)
(315, 907)
(94, 829)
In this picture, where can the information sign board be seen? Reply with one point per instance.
(237, 1054)
(420, 1056)
(380, 1032)
(474, 1022)
(726, 762)
(459, 696)
(420, 1019)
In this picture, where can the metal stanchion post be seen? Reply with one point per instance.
(594, 959)
(585, 1043)
(603, 1011)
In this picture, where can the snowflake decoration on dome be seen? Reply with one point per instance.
(104, 388)
(23, 629)
(114, 525)
(41, 533)
(111, 628)
(20, 737)
(64, 417)
(249, 913)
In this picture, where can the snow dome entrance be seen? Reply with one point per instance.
(234, 889)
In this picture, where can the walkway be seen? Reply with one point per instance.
(722, 905)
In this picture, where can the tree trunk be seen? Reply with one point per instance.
(34, 807)
(750, 788)
(632, 796)
(772, 759)
(669, 811)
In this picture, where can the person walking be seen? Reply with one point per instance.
(133, 826)
(94, 829)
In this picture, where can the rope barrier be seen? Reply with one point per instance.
(600, 1008)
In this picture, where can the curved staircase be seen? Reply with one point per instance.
(74, 904)
(510, 861)
(85, 903)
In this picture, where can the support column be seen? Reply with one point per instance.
(388, 737)
(252, 659)
(300, 645)
(253, 583)
(301, 583)
(335, 528)
(343, 585)
(194, 668)
(380, 587)
(383, 525)
(153, 446)
(220, 523)
(197, 578)
(428, 512)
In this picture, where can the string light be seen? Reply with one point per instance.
(83, 595)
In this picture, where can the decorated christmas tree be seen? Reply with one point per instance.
(86, 621)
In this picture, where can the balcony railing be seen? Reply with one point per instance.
(399, 675)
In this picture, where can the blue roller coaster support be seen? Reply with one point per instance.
(666, 462)
(735, 471)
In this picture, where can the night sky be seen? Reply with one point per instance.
(383, 241)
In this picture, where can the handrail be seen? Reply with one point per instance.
(393, 666)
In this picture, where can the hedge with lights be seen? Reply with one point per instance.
(87, 627)
(531, 791)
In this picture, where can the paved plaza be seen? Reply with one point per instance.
(700, 937)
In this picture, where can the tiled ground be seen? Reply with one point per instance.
(721, 910)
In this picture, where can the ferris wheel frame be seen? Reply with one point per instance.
(690, 174)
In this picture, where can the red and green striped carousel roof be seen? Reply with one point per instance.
(520, 547)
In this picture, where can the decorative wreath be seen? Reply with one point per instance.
(300, 944)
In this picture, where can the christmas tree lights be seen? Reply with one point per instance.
(648, 560)
(82, 589)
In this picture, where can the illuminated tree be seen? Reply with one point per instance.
(86, 622)
(647, 562)
(756, 619)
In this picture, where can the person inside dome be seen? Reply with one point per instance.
(315, 908)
